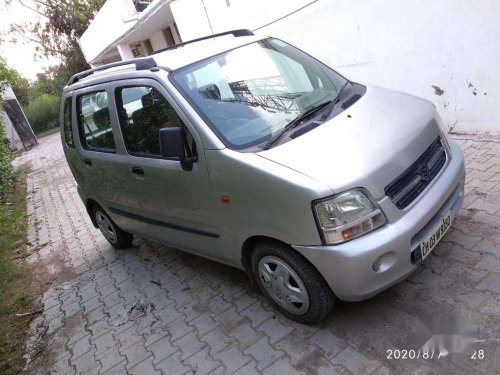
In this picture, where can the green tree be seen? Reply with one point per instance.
(57, 34)
(5, 72)
(43, 113)
(51, 81)
(6, 155)
(21, 87)
(61, 25)
(19, 84)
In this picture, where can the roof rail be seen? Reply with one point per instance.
(140, 64)
(237, 33)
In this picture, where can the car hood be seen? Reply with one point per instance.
(368, 145)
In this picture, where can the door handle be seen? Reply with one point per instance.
(88, 161)
(137, 170)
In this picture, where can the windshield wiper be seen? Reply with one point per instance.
(294, 123)
(330, 108)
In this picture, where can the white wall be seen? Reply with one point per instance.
(409, 45)
(192, 21)
(157, 40)
(114, 19)
(125, 51)
(117, 25)
(191, 18)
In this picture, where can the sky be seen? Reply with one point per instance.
(20, 55)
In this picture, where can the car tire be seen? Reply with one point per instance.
(118, 238)
(293, 285)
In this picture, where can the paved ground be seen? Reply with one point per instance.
(206, 319)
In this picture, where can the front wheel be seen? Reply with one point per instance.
(295, 287)
(116, 237)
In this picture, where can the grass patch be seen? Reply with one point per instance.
(47, 132)
(14, 294)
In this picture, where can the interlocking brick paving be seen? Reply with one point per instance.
(207, 319)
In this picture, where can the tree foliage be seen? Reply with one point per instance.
(59, 28)
(19, 84)
(43, 113)
(56, 33)
(50, 82)
(6, 155)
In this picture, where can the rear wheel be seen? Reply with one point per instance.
(294, 286)
(115, 236)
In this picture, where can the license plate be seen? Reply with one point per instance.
(434, 236)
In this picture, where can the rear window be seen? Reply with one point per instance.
(67, 129)
(94, 122)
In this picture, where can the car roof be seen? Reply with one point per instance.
(171, 59)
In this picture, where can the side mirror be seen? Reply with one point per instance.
(172, 141)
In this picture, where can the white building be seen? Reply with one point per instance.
(445, 50)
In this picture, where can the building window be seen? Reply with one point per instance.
(136, 50)
(169, 38)
(149, 47)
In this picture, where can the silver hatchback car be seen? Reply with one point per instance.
(250, 152)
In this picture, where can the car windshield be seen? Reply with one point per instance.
(248, 94)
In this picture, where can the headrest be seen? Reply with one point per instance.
(101, 117)
(147, 100)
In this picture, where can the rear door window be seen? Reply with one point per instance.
(67, 129)
(143, 111)
(94, 122)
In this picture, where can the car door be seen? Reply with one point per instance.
(100, 153)
(177, 205)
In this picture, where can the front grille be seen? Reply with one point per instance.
(408, 186)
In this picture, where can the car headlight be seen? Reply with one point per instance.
(346, 216)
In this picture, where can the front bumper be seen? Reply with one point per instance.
(348, 268)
